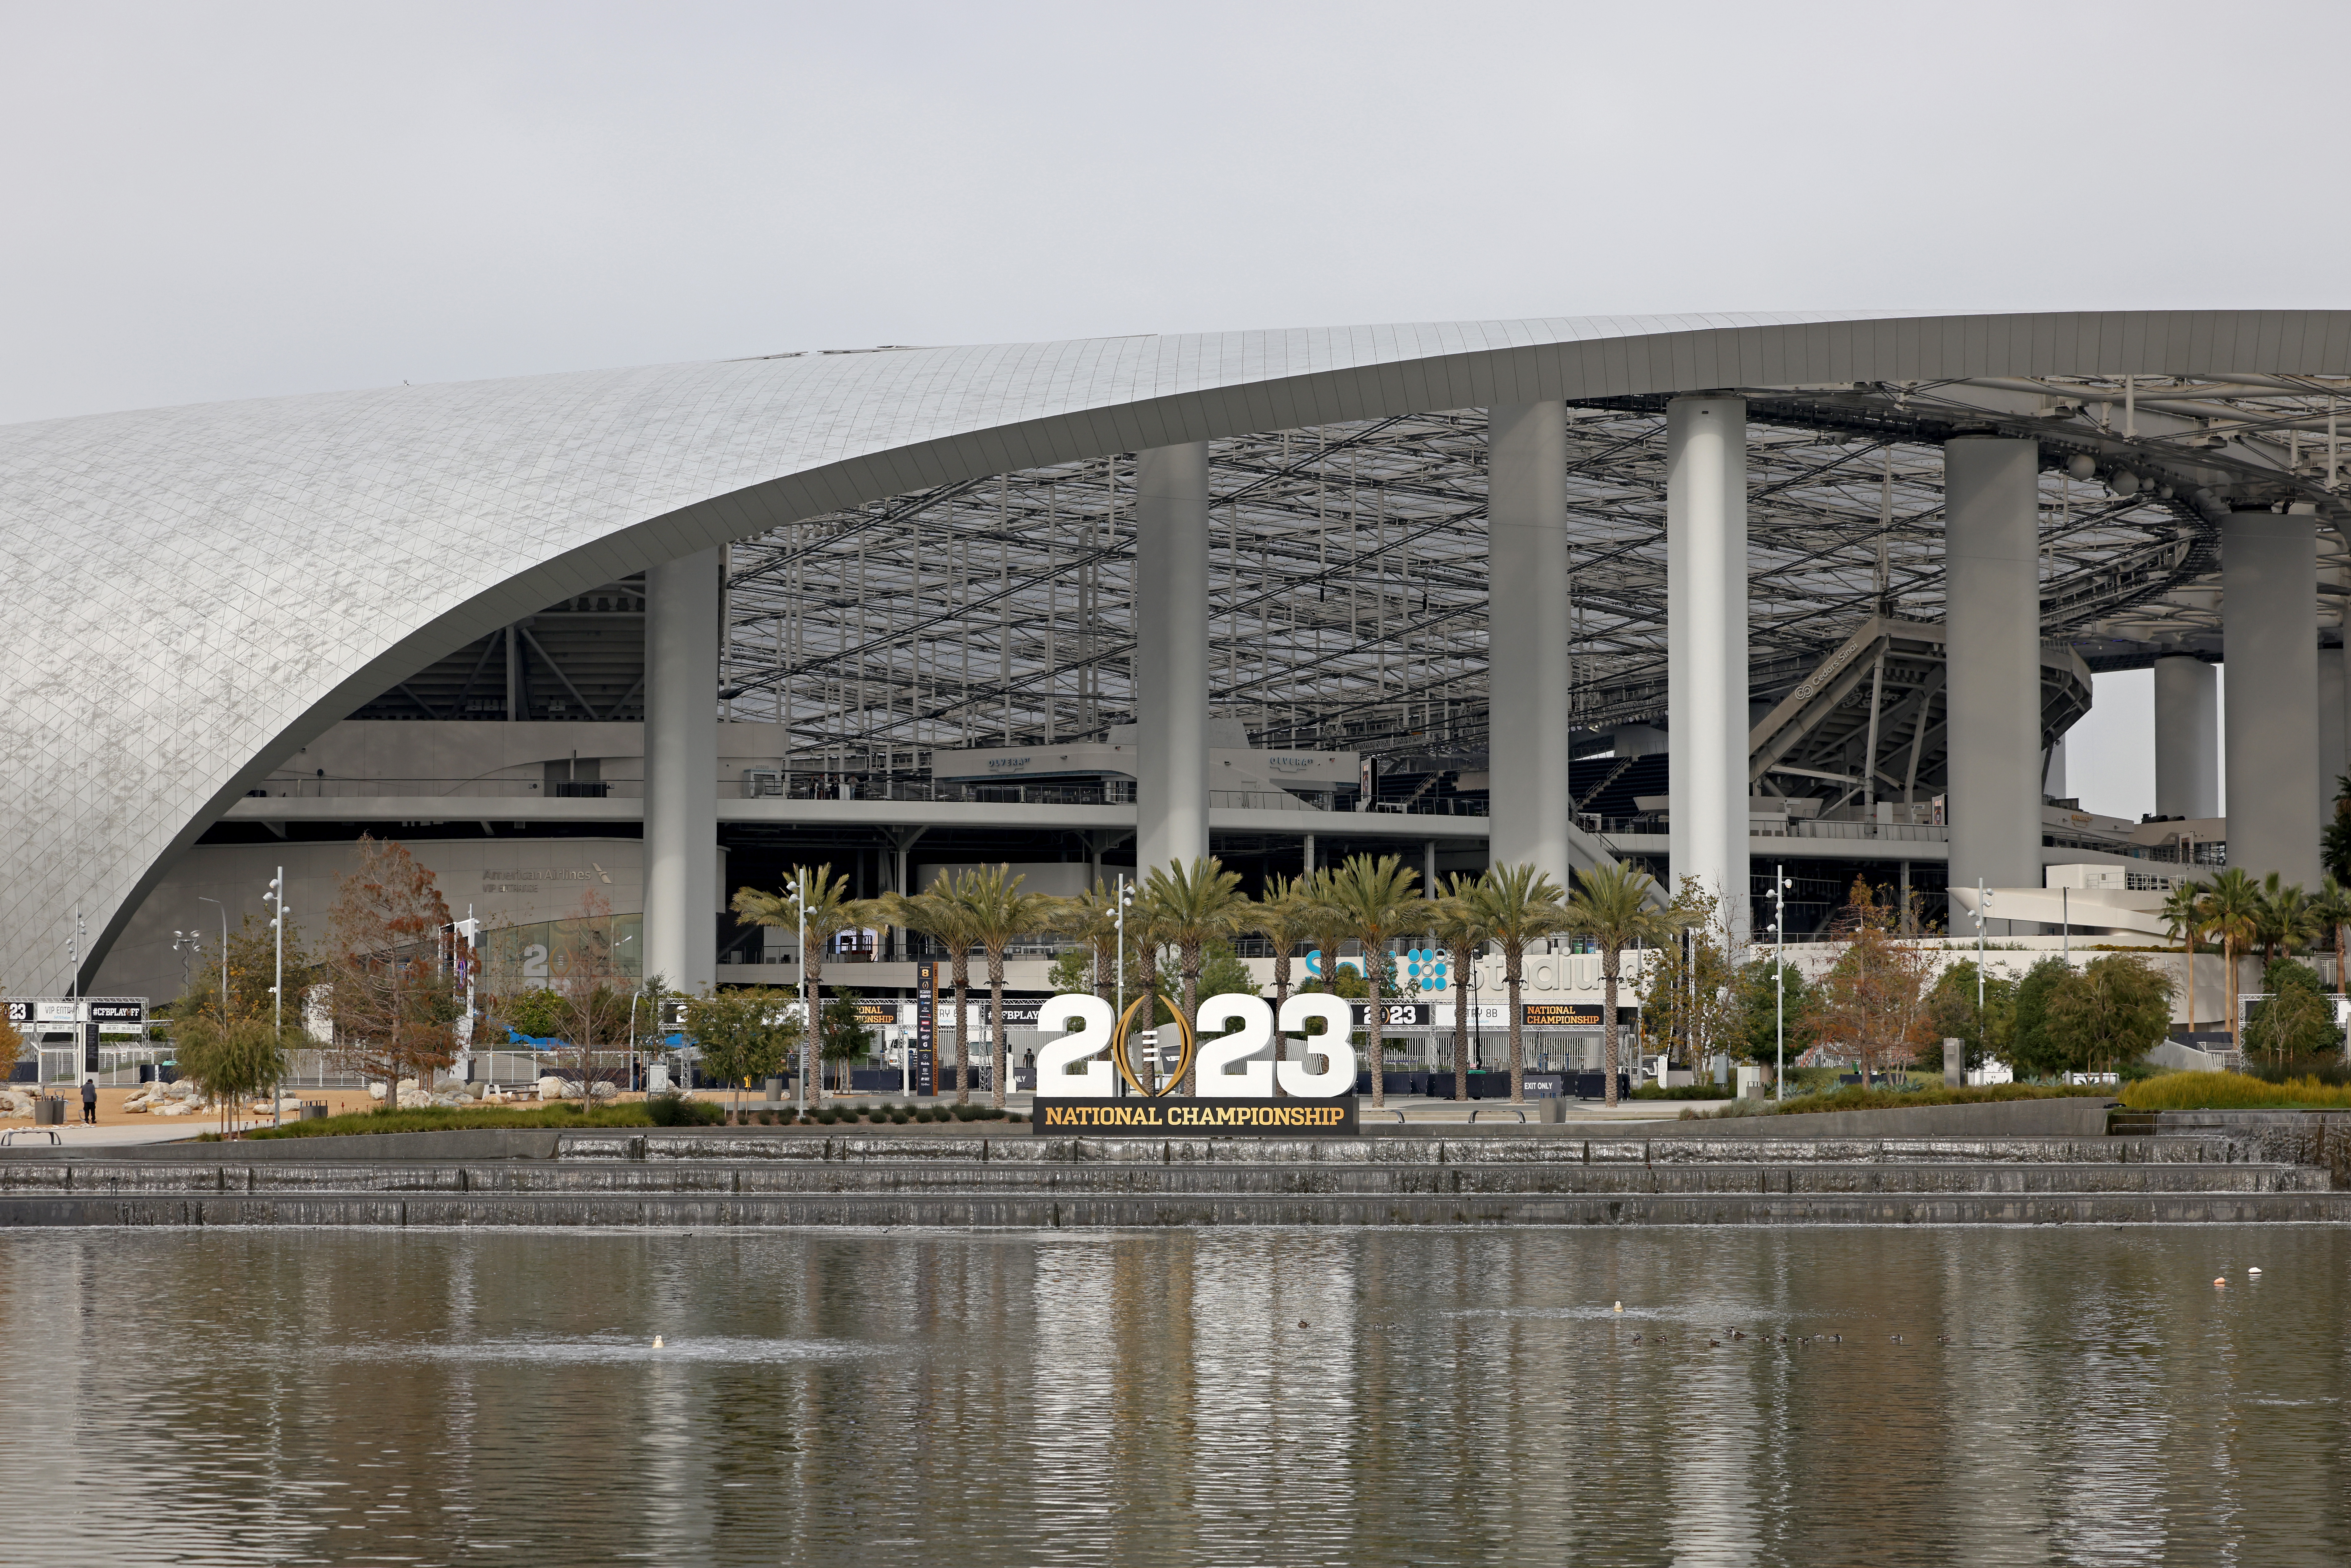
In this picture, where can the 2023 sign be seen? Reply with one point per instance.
(1075, 1067)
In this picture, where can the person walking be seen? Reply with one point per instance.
(89, 1102)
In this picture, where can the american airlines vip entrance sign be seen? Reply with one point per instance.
(1079, 1074)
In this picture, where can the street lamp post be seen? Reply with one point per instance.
(1125, 897)
(1469, 983)
(812, 1049)
(1983, 901)
(1780, 981)
(277, 897)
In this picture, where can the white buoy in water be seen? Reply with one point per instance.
(1620, 1306)
(2253, 1270)
(657, 1343)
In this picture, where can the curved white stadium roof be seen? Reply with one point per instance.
(195, 592)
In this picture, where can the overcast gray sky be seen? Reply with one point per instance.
(223, 201)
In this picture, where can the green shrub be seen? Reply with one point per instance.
(2232, 1092)
(1856, 1098)
(450, 1118)
(1685, 1091)
(675, 1110)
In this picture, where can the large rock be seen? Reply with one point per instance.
(553, 1088)
(603, 1091)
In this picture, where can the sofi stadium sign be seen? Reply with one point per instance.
(1079, 1075)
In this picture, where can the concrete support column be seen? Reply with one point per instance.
(1527, 637)
(1171, 655)
(1705, 645)
(2187, 738)
(2269, 590)
(2331, 756)
(1990, 547)
(682, 894)
(2341, 659)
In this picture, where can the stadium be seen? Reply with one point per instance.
(601, 647)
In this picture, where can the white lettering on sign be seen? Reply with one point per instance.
(534, 962)
(1056, 1059)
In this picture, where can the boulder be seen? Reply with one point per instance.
(602, 1090)
(375, 1091)
(553, 1088)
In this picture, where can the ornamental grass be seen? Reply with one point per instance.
(2233, 1091)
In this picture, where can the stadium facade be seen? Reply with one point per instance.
(1707, 591)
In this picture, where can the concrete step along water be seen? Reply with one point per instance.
(760, 1179)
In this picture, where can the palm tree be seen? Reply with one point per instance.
(2189, 919)
(999, 912)
(2233, 909)
(1517, 905)
(1284, 917)
(2334, 844)
(1092, 918)
(1613, 905)
(2332, 909)
(1373, 901)
(1195, 904)
(940, 913)
(2286, 922)
(1461, 932)
(830, 911)
(1145, 936)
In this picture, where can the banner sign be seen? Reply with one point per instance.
(115, 1015)
(1235, 1092)
(1198, 1118)
(1394, 1015)
(922, 1061)
(1571, 1015)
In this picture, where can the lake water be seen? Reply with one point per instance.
(1360, 1397)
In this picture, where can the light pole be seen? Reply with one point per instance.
(634, 993)
(1125, 897)
(810, 1053)
(1469, 983)
(1780, 981)
(1983, 901)
(277, 897)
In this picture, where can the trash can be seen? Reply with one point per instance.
(50, 1111)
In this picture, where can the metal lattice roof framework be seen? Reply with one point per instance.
(1348, 564)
